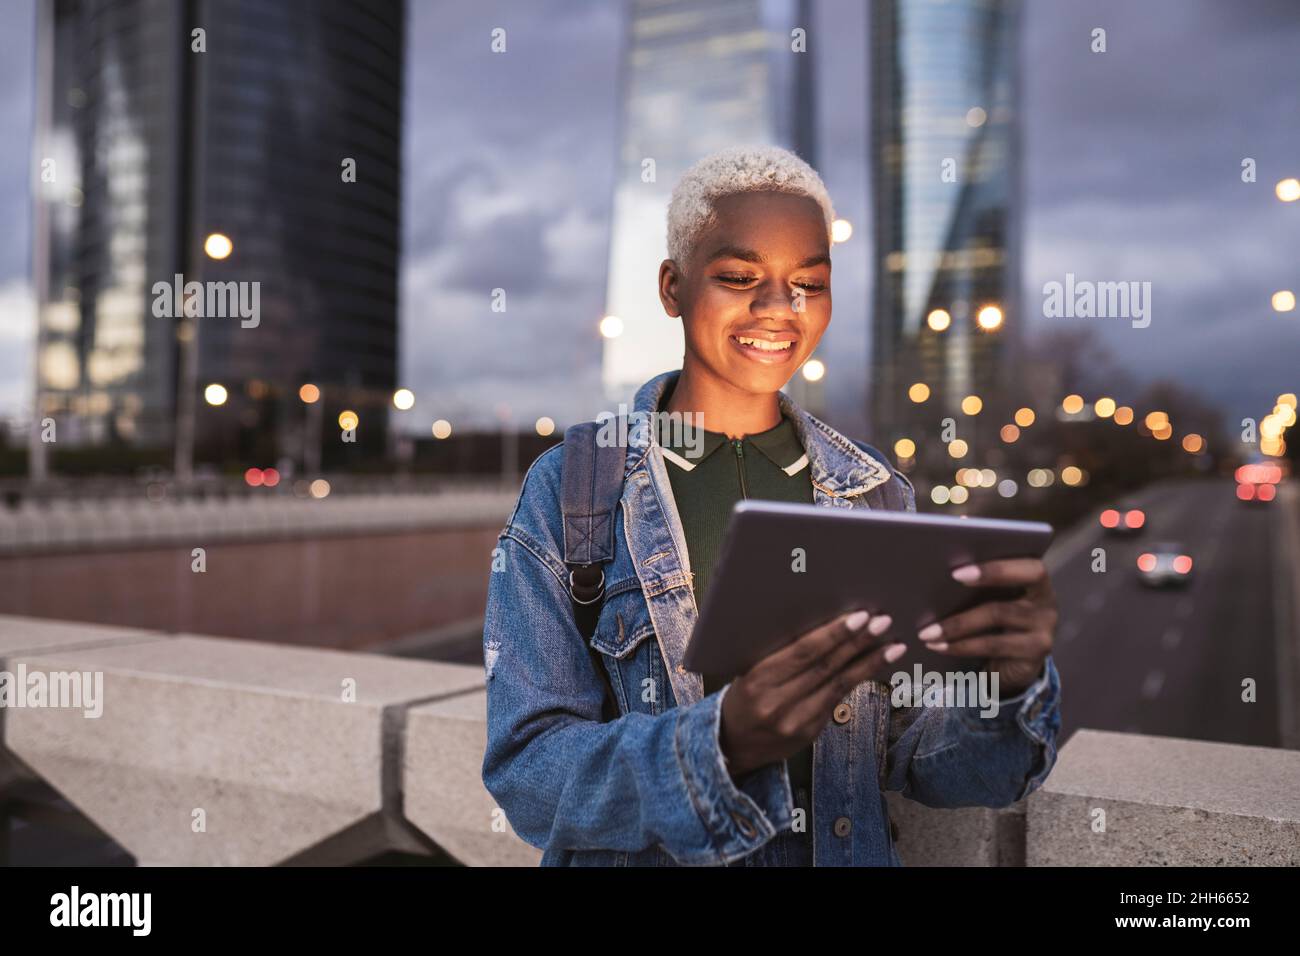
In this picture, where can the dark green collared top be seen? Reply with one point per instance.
(709, 473)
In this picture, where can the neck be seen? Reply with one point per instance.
(725, 408)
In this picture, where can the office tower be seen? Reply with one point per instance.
(698, 77)
(169, 123)
(945, 183)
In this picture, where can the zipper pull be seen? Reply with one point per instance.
(738, 444)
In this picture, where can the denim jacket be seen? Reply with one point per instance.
(609, 754)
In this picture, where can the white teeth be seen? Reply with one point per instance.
(763, 344)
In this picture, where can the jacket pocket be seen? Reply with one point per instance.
(624, 638)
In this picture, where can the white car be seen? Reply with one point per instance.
(1165, 564)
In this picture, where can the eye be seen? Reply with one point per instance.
(735, 278)
(811, 286)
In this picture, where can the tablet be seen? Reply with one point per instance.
(786, 568)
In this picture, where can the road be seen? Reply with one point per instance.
(1172, 662)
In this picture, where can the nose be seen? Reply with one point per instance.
(772, 301)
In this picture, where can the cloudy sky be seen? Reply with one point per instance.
(1132, 172)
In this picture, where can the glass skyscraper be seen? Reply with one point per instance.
(159, 137)
(945, 186)
(699, 75)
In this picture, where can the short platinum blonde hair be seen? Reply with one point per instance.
(737, 169)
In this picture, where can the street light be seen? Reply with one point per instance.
(218, 246)
(990, 317)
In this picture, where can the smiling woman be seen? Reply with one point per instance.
(749, 273)
(603, 747)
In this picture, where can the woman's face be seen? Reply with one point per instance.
(756, 294)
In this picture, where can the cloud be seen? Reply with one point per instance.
(510, 165)
(17, 97)
(1133, 172)
(17, 345)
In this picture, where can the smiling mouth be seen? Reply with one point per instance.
(763, 350)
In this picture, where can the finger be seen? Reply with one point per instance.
(1009, 572)
(817, 706)
(1003, 615)
(1006, 644)
(810, 652)
(850, 645)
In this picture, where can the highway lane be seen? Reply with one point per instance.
(1172, 662)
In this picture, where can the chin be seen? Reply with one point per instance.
(760, 381)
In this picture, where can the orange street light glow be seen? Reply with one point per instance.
(218, 246)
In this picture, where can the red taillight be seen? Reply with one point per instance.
(1109, 518)
(1135, 518)
(253, 476)
(1147, 562)
(1265, 492)
(1182, 564)
(1245, 491)
(270, 477)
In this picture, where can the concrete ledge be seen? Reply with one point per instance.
(969, 836)
(443, 787)
(1167, 802)
(258, 737)
(21, 635)
(285, 767)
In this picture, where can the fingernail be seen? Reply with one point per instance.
(939, 646)
(929, 632)
(855, 620)
(880, 624)
(894, 651)
(967, 573)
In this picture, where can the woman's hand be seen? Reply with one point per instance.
(780, 705)
(1016, 636)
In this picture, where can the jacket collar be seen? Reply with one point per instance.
(839, 467)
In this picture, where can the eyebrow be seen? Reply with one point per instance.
(749, 255)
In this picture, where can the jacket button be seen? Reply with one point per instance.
(842, 713)
(842, 826)
(746, 826)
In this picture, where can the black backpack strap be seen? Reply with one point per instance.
(589, 495)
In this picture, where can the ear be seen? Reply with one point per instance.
(670, 287)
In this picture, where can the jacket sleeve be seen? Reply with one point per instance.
(949, 756)
(568, 780)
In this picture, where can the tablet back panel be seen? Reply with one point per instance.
(891, 562)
